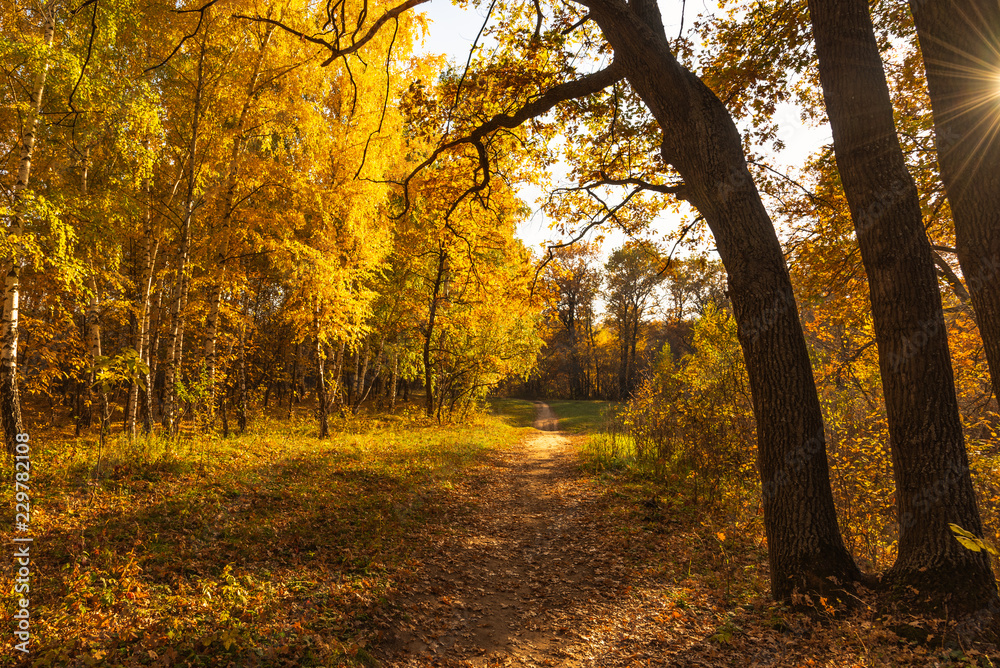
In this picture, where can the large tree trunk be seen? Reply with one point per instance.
(933, 485)
(958, 39)
(10, 399)
(701, 141)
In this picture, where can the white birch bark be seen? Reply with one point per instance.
(218, 265)
(10, 401)
(141, 345)
(92, 324)
(177, 314)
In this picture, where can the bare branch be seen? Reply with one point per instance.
(576, 25)
(90, 51)
(385, 101)
(201, 19)
(666, 189)
(468, 62)
(612, 212)
(586, 85)
(335, 50)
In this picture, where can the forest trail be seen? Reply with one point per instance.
(520, 580)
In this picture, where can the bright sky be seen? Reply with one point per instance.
(452, 31)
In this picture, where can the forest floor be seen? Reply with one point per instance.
(553, 568)
(399, 542)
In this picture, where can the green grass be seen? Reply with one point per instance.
(580, 417)
(273, 548)
(515, 412)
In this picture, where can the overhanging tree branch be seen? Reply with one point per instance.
(569, 90)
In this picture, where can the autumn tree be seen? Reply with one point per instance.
(574, 285)
(959, 45)
(634, 271)
(926, 431)
(701, 142)
(10, 401)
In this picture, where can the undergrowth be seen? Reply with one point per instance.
(272, 548)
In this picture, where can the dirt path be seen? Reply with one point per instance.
(541, 566)
(535, 577)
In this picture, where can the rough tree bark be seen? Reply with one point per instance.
(959, 40)
(930, 463)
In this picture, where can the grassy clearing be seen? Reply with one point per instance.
(516, 412)
(268, 549)
(581, 417)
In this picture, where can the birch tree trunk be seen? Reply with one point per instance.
(429, 332)
(175, 351)
(10, 400)
(394, 382)
(241, 411)
(321, 402)
(141, 345)
(336, 393)
(293, 390)
(218, 263)
(92, 324)
(360, 373)
(152, 359)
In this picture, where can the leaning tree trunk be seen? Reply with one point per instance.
(958, 39)
(10, 399)
(931, 467)
(701, 141)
